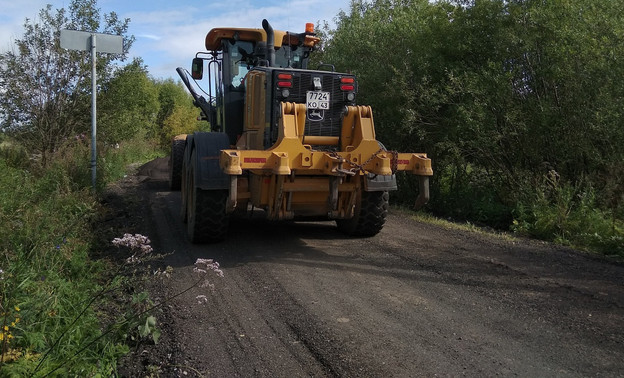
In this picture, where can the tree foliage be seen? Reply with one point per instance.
(501, 94)
(45, 88)
(129, 104)
(177, 114)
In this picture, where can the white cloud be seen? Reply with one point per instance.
(180, 40)
(170, 33)
(149, 36)
(14, 13)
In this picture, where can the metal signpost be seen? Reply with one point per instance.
(85, 41)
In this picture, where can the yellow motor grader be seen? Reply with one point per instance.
(286, 140)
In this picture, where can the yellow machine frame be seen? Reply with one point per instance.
(292, 166)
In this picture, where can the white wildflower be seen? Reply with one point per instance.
(203, 266)
(138, 244)
(164, 273)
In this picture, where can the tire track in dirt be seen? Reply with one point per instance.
(300, 299)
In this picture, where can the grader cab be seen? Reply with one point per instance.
(286, 140)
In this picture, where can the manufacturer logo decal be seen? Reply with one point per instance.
(316, 114)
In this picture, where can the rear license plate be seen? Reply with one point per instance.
(317, 100)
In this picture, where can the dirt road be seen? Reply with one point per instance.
(301, 299)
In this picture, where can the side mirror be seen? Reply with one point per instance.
(197, 68)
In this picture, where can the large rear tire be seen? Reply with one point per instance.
(369, 216)
(175, 163)
(207, 220)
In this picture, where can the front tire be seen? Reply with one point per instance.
(369, 216)
(175, 163)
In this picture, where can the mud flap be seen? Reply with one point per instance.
(208, 146)
(379, 183)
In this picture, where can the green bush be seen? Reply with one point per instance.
(114, 161)
(497, 102)
(13, 153)
(568, 214)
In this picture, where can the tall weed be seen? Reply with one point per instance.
(47, 274)
(113, 164)
(14, 154)
(568, 214)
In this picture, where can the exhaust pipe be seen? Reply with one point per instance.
(423, 192)
(270, 42)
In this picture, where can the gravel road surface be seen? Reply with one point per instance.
(301, 299)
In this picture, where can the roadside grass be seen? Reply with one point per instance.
(425, 217)
(114, 164)
(593, 232)
(587, 215)
(570, 215)
(53, 294)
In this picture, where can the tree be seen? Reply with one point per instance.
(45, 89)
(177, 115)
(129, 104)
(500, 93)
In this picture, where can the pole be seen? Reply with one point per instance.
(93, 111)
(83, 41)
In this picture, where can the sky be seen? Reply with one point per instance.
(169, 32)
